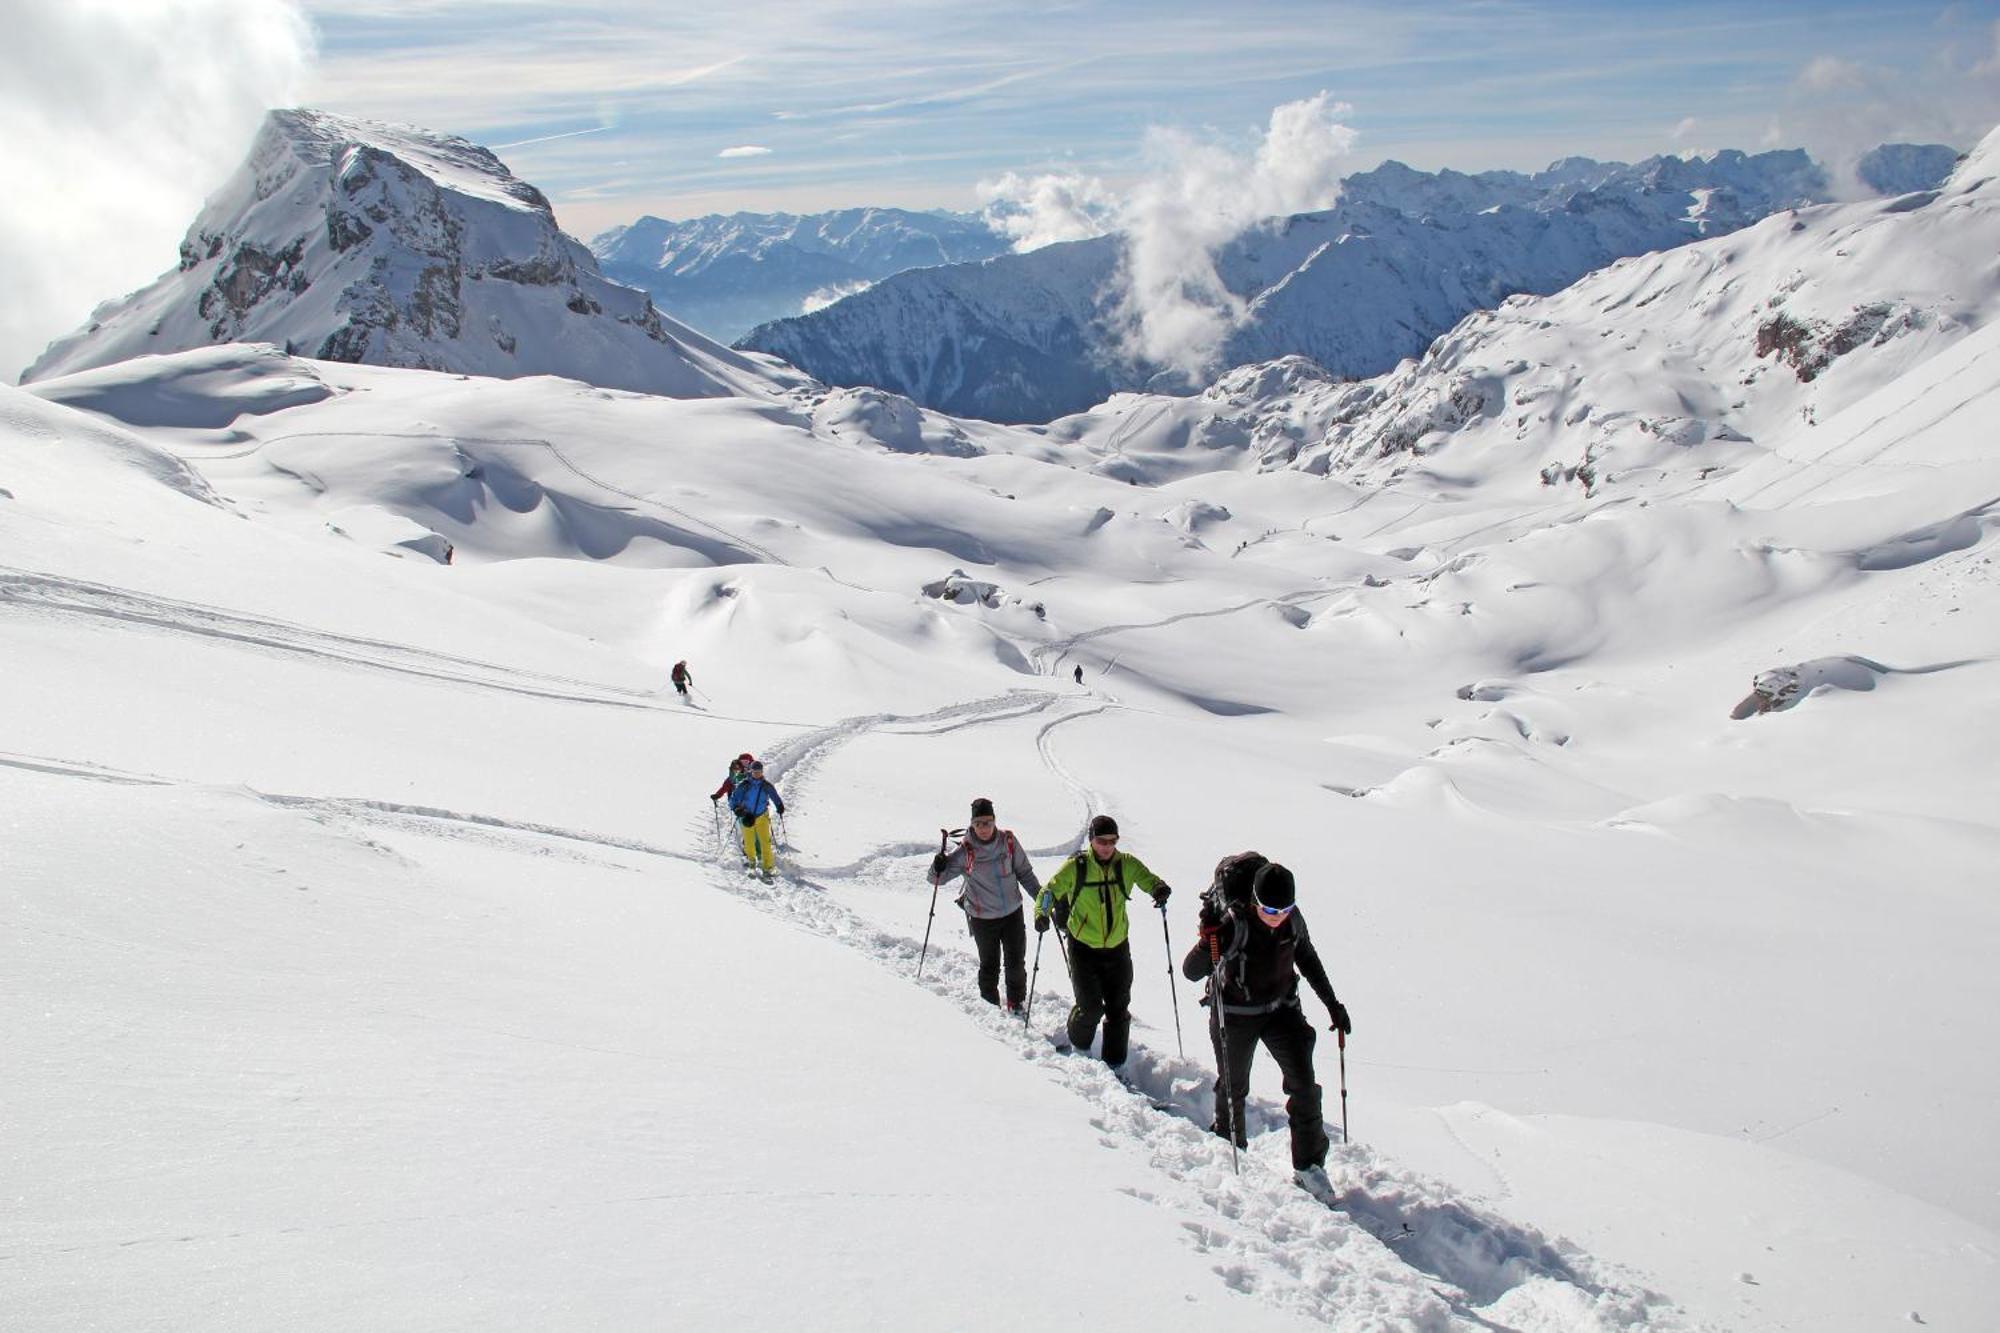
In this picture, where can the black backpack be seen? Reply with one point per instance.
(1233, 878)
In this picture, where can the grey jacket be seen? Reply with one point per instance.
(1000, 874)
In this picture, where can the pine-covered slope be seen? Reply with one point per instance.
(348, 240)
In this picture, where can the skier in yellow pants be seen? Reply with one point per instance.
(752, 801)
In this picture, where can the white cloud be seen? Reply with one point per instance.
(1828, 74)
(1034, 211)
(1839, 109)
(1200, 195)
(826, 296)
(746, 150)
(1684, 131)
(1988, 66)
(121, 115)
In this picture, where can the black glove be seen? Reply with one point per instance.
(1211, 919)
(1062, 914)
(937, 866)
(748, 821)
(1041, 923)
(1341, 1022)
(1161, 892)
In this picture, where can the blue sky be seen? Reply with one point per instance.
(617, 108)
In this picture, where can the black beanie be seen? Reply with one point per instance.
(1274, 886)
(981, 806)
(1103, 826)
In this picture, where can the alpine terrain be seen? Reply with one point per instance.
(1616, 679)
(1357, 288)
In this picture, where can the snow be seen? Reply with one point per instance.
(369, 955)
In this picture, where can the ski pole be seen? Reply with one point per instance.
(1172, 989)
(1219, 1030)
(1343, 1088)
(1028, 1011)
(784, 833)
(944, 837)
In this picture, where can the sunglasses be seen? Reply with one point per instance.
(1273, 913)
(1108, 839)
(979, 820)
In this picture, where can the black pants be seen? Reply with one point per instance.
(1289, 1038)
(1102, 982)
(1001, 934)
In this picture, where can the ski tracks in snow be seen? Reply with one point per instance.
(1396, 1250)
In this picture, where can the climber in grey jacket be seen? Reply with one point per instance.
(997, 873)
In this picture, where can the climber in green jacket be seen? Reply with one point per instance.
(1086, 900)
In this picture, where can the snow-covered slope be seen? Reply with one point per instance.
(354, 241)
(1357, 288)
(371, 956)
(726, 274)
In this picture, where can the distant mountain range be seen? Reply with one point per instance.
(349, 240)
(1720, 357)
(727, 274)
(1356, 288)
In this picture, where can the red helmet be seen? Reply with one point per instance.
(746, 758)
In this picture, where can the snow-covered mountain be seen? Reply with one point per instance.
(1356, 288)
(1695, 361)
(349, 240)
(726, 274)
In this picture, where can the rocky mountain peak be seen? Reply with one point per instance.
(350, 240)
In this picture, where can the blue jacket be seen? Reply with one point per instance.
(752, 795)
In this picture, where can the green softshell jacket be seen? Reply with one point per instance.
(1096, 894)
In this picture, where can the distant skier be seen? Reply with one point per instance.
(1251, 917)
(1079, 673)
(997, 873)
(752, 801)
(1087, 898)
(682, 678)
(739, 768)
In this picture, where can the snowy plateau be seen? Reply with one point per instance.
(1618, 677)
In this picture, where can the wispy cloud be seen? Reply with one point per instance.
(550, 138)
(746, 150)
(120, 118)
(941, 97)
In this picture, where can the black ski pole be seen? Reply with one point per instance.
(944, 838)
(1225, 1119)
(1172, 989)
(1344, 1139)
(1028, 1010)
